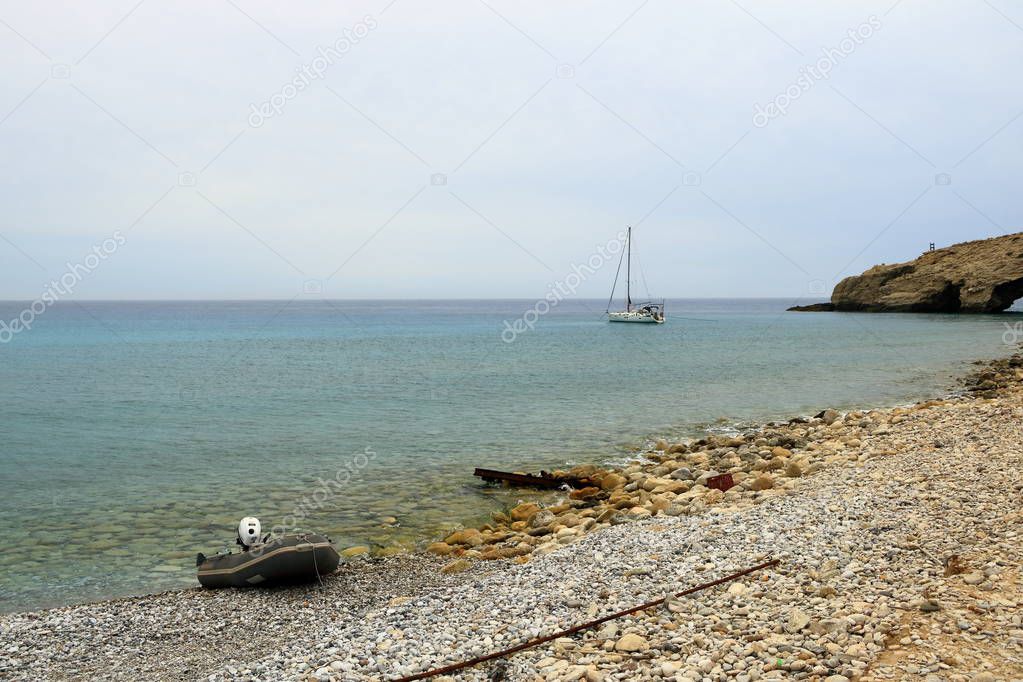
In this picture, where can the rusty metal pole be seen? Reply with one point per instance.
(585, 626)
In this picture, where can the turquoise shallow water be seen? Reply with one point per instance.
(136, 434)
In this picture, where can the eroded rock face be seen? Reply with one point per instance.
(983, 276)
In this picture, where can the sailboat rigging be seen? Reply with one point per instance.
(648, 312)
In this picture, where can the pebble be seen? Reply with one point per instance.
(974, 578)
(631, 642)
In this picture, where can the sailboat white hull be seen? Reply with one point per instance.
(643, 318)
(649, 312)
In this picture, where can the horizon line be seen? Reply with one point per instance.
(311, 298)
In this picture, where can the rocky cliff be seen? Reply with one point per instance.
(983, 276)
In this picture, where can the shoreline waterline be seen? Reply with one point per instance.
(511, 497)
(331, 631)
(167, 423)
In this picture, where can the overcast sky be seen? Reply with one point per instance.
(480, 149)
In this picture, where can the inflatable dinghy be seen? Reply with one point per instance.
(297, 558)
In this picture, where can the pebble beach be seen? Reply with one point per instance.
(898, 531)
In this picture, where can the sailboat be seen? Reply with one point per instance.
(648, 312)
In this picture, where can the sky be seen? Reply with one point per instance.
(247, 149)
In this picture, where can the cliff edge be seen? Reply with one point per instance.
(983, 276)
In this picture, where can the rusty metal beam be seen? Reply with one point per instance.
(585, 626)
(544, 480)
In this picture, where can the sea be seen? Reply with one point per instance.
(134, 435)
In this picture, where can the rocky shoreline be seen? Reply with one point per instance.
(980, 276)
(899, 533)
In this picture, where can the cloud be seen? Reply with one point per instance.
(556, 125)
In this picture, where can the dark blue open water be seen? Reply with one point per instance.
(136, 434)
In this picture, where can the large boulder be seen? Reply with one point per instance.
(983, 276)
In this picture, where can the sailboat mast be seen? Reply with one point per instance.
(628, 276)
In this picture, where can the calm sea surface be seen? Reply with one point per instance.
(137, 434)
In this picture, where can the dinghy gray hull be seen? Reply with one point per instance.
(288, 559)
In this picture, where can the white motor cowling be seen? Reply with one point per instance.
(248, 531)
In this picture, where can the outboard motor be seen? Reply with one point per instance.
(248, 532)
